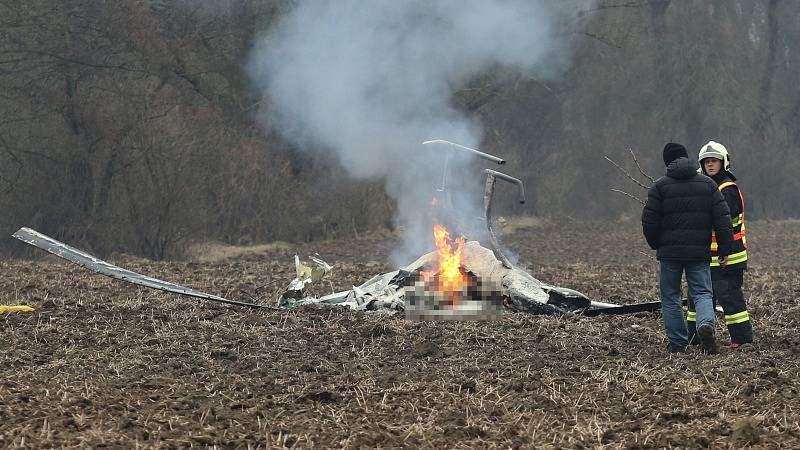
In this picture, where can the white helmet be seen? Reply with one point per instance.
(715, 150)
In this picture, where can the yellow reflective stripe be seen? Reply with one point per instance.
(732, 319)
(735, 258)
(737, 221)
(744, 313)
(691, 316)
(726, 184)
(744, 232)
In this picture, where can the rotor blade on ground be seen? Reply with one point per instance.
(624, 309)
(62, 250)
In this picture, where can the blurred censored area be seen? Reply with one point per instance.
(477, 299)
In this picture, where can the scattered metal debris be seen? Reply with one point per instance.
(385, 293)
(494, 282)
(306, 275)
(519, 291)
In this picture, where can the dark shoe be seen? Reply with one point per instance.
(707, 342)
(672, 348)
(742, 347)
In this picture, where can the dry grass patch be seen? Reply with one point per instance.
(209, 252)
(510, 225)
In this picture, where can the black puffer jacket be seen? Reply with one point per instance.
(682, 208)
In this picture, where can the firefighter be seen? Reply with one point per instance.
(727, 278)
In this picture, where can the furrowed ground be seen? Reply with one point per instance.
(105, 364)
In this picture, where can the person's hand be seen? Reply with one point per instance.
(723, 261)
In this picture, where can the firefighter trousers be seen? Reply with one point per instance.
(727, 284)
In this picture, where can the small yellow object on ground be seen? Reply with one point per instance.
(13, 308)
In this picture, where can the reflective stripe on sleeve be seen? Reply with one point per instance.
(735, 258)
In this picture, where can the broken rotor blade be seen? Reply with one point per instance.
(511, 180)
(62, 250)
(444, 190)
(471, 150)
(488, 195)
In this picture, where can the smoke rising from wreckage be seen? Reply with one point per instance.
(484, 281)
(365, 81)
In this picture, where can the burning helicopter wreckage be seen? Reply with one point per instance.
(459, 280)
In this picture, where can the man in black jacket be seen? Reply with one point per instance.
(682, 209)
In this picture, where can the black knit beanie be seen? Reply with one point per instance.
(673, 151)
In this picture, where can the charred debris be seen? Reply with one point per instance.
(465, 280)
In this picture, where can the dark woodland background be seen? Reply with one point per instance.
(129, 125)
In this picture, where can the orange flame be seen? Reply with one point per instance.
(450, 277)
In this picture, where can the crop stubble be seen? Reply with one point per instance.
(107, 364)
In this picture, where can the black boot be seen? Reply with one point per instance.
(707, 342)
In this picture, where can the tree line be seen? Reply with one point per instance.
(129, 126)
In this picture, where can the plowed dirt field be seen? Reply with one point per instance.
(106, 364)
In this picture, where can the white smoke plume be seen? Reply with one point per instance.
(371, 79)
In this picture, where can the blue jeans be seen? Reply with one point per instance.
(698, 278)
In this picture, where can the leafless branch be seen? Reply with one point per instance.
(648, 255)
(630, 177)
(18, 119)
(11, 182)
(641, 171)
(629, 195)
(42, 156)
(624, 4)
(627, 174)
(601, 39)
(74, 61)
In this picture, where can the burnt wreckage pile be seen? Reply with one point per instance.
(489, 288)
(489, 283)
